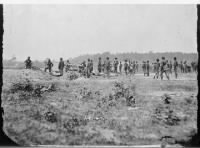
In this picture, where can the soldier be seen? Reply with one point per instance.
(163, 68)
(82, 68)
(91, 66)
(143, 67)
(185, 67)
(48, 66)
(170, 67)
(120, 67)
(175, 67)
(136, 66)
(115, 65)
(61, 66)
(88, 68)
(107, 67)
(131, 67)
(28, 63)
(67, 67)
(147, 68)
(181, 67)
(129, 64)
(157, 69)
(126, 67)
(99, 65)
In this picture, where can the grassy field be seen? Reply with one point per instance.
(134, 110)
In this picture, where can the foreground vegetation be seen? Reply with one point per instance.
(133, 110)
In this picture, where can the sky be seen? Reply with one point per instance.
(64, 30)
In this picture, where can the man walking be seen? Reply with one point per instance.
(163, 68)
(157, 69)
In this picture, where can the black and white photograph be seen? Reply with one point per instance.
(100, 74)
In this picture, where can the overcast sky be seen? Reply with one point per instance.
(55, 31)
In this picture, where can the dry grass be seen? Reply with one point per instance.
(98, 111)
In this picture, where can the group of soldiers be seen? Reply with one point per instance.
(107, 66)
(159, 67)
(48, 65)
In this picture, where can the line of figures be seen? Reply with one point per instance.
(160, 68)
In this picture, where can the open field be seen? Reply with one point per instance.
(134, 110)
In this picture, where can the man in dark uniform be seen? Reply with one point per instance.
(163, 68)
(120, 67)
(48, 66)
(170, 67)
(28, 63)
(144, 67)
(88, 68)
(99, 65)
(82, 69)
(136, 66)
(115, 65)
(157, 69)
(175, 67)
(91, 66)
(61, 66)
(126, 67)
(148, 68)
(107, 67)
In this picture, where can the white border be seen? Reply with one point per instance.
(100, 1)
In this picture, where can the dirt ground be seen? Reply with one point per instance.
(41, 109)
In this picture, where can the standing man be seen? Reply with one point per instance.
(120, 67)
(148, 68)
(163, 68)
(67, 66)
(136, 66)
(91, 66)
(185, 67)
(99, 65)
(107, 67)
(115, 65)
(48, 66)
(126, 67)
(144, 66)
(175, 67)
(88, 68)
(170, 66)
(28, 63)
(181, 67)
(61, 66)
(157, 69)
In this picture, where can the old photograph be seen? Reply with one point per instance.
(100, 74)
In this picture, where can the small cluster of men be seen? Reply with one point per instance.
(165, 67)
(48, 65)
